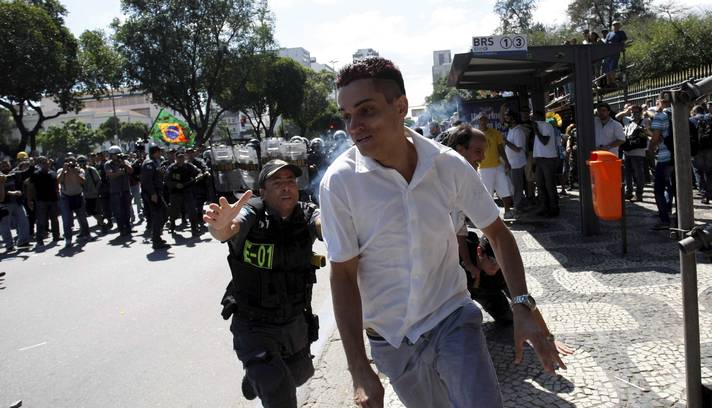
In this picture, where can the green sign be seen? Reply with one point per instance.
(258, 255)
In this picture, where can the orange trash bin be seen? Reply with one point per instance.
(606, 179)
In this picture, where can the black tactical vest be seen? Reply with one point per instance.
(272, 274)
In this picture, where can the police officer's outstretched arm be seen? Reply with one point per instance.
(220, 217)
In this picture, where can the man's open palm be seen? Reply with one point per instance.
(220, 215)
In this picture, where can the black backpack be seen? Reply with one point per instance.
(704, 132)
(636, 140)
(670, 143)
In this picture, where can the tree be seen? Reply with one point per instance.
(6, 126)
(179, 51)
(316, 101)
(103, 67)
(73, 136)
(442, 103)
(600, 14)
(272, 87)
(124, 131)
(39, 57)
(656, 50)
(133, 131)
(515, 15)
(110, 128)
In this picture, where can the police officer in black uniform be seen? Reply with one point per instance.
(270, 240)
(152, 175)
(180, 179)
(200, 187)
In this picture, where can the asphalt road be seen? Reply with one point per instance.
(115, 325)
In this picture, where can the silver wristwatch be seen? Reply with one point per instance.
(526, 300)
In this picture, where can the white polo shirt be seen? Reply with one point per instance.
(608, 133)
(517, 137)
(548, 150)
(408, 274)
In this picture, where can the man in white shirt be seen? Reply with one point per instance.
(609, 132)
(546, 157)
(386, 205)
(516, 150)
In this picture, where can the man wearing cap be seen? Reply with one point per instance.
(152, 175)
(269, 298)
(610, 64)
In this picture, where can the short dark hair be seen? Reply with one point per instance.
(462, 136)
(386, 77)
(603, 105)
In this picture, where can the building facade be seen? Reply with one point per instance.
(364, 53)
(298, 54)
(442, 60)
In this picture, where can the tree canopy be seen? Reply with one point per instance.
(180, 51)
(73, 136)
(103, 67)
(263, 101)
(515, 15)
(124, 131)
(39, 57)
(600, 14)
(317, 109)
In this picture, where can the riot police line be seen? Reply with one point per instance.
(236, 167)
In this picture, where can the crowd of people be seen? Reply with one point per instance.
(534, 161)
(113, 188)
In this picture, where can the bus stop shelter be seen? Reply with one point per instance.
(530, 74)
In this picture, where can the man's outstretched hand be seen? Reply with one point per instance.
(220, 216)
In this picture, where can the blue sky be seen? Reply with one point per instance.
(405, 31)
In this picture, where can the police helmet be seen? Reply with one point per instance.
(115, 150)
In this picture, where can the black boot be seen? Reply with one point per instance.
(247, 391)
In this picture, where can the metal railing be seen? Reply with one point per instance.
(648, 90)
(694, 239)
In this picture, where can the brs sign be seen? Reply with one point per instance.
(494, 44)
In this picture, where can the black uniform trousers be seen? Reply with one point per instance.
(276, 358)
(159, 215)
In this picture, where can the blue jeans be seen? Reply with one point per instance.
(18, 219)
(663, 190)
(449, 366)
(68, 218)
(634, 171)
(121, 207)
(702, 163)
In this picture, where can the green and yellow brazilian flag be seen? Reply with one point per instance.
(171, 130)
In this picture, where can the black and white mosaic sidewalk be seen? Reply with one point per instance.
(623, 314)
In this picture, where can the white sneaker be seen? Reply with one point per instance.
(508, 215)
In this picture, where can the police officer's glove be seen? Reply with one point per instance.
(229, 306)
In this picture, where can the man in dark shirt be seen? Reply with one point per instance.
(118, 171)
(104, 193)
(180, 179)
(610, 64)
(200, 188)
(46, 198)
(152, 175)
(11, 186)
